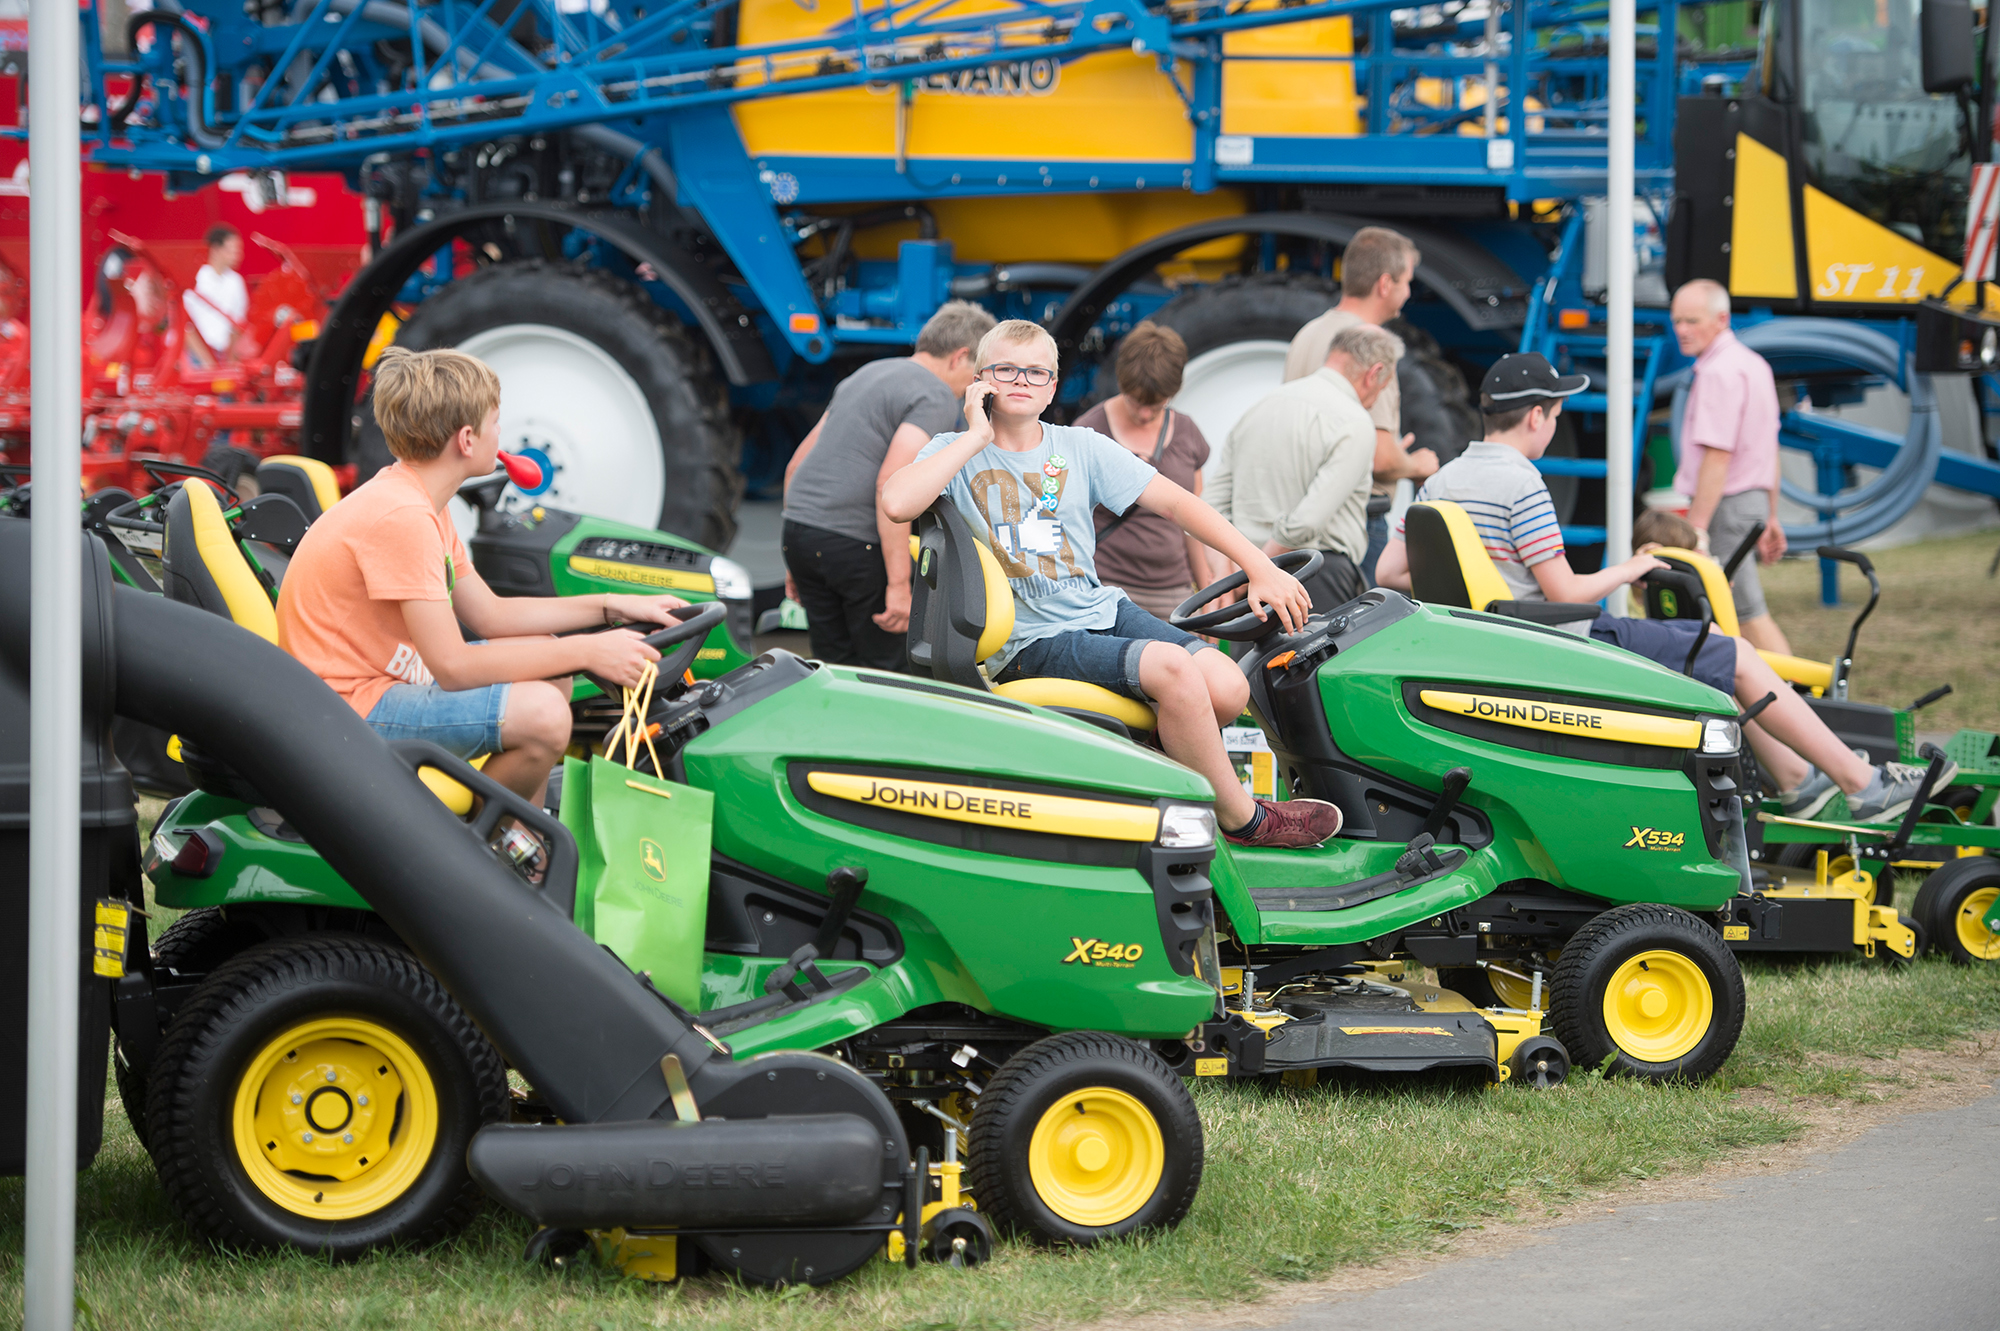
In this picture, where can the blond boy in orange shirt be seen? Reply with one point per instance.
(373, 601)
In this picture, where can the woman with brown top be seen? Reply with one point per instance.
(1145, 555)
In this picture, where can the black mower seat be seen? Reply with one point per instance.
(962, 612)
(1661, 603)
(307, 482)
(1449, 566)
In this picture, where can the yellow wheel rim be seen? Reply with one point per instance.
(335, 1118)
(1512, 991)
(1973, 935)
(1658, 1006)
(1096, 1157)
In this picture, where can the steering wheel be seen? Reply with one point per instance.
(691, 632)
(1236, 623)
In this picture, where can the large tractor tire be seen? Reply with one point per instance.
(1648, 991)
(623, 407)
(1238, 330)
(1952, 904)
(319, 1093)
(1082, 1137)
(1438, 407)
(196, 943)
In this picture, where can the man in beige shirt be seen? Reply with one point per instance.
(1375, 275)
(1296, 474)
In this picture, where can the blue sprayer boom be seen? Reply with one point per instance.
(672, 227)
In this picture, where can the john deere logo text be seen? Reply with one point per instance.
(1058, 815)
(653, 860)
(1535, 713)
(1567, 719)
(1655, 838)
(946, 800)
(1096, 952)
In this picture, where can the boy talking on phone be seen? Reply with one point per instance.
(1030, 489)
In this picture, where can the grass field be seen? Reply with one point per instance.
(1298, 1183)
(1938, 623)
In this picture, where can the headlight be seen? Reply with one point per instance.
(1187, 826)
(732, 580)
(1718, 736)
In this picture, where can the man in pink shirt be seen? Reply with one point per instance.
(1729, 450)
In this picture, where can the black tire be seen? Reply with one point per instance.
(1260, 307)
(687, 393)
(1685, 1045)
(389, 1025)
(1959, 799)
(1952, 902)
(1438, 407)
(1042, 1079)
(195, 944)
(1801, 855)
(1538, 1063)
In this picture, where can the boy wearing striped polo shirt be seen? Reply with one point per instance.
(1496, 482)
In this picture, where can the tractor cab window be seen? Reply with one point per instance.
(1873, 138)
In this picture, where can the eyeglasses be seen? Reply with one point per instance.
(1035, 376)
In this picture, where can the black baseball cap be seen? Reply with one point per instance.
(1524, 378)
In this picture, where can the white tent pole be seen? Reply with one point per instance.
(1618, 322)
(55, 938)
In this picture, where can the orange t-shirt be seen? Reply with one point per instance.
(340, 607)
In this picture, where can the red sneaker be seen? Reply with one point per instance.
(1292, 825)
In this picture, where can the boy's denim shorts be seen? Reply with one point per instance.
(1666, 641)
(1105, 657)
(465, 722)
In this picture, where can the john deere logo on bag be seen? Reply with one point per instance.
(653, 860)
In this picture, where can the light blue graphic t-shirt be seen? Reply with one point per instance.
(1034, 510)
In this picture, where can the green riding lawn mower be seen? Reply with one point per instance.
(1827, 872)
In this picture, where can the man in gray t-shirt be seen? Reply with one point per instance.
(846, 564)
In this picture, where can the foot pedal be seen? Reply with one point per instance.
(800, 977)
(1421, 860)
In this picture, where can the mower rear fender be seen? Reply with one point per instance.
(259, 863)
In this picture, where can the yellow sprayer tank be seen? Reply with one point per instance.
(1114, 107)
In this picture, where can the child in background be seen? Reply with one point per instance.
(1495, 480)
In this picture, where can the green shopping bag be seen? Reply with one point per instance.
(642, 884)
